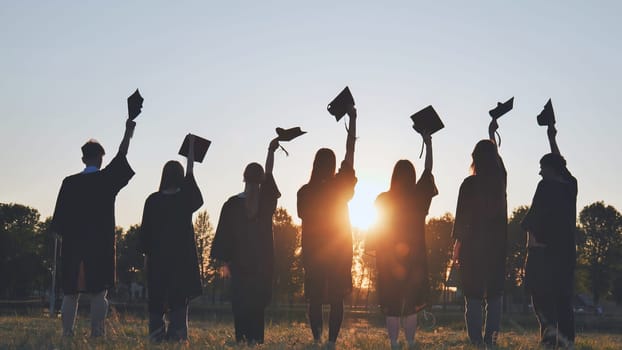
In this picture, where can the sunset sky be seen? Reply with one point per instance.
(233, 71)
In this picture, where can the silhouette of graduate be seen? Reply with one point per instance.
(167, 239)
(243, 244)
(84, 218)
(326, 233)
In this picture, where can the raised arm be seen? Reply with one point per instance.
(190, 159)
(129, 132)
(492, 127)
(552, 133)
(349, 158)
(427, 139)
(274, 144)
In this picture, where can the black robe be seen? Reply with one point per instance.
(552, 220)
(481, 226)
(327, 236)
(403, 280)
(84, 217)
(167, 239)
(247, 245)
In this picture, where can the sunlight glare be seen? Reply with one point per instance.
(362, 211)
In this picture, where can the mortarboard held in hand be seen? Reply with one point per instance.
(288, 135)
(502, 108)
(426, 120)
(134, 105)
(340, 105)
(547, 116)
(200, 147)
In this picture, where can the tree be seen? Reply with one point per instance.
(601, 227)
(23, 253)
(439, 244)
(129, 260)
(288, 278)
(204, 234)
(516, 253)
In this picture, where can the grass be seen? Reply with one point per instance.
(129, 332)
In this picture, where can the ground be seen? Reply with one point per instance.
(129, 332)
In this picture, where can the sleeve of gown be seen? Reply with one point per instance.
(193, 193)
(462, 222)
(222, 246)
(145, 232)
(59, 219)
(119, 172)
(346, 180)
(269, 193)
(427, 188)
(533, 218)
(302, 202)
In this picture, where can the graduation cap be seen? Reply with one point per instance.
(134, 105)
(289, 134)
(200, 147)
(339, 106)
(427, 120)
(502, 108)
(547, 116)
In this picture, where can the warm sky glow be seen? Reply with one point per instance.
(233, 71)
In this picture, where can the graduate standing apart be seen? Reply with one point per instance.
(480, 233)
(551, 249)
(84, 218)
(326, 234)
(166, 237)
(244, 244)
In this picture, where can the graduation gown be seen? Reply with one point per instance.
(167, 239)
(403, 280)
(247, 245)
(481, 226)
(552, 220)
(84, 217)
(327, 236)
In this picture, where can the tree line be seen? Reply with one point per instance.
(27, 251)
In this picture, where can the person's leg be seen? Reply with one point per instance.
(315, 319)
(178, 326)
(240, 321)
(565, 318)
(410, 326)
(493, 319)
(68, 312)
(256, 329)
(99, 309)
(544, 307)
(393, 329)
(335, 320)
(473, 319)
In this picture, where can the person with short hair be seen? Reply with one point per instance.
(84, 218)
(167, 239)
(243, 244)
(551, 249)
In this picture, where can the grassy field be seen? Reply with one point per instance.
(36, 332)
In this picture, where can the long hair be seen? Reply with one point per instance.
(172, 175)
(323, 165)
(404, 176)
(488, 167)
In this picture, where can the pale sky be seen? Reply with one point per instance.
(233, 71)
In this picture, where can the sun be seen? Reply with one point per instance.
(362, 211)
